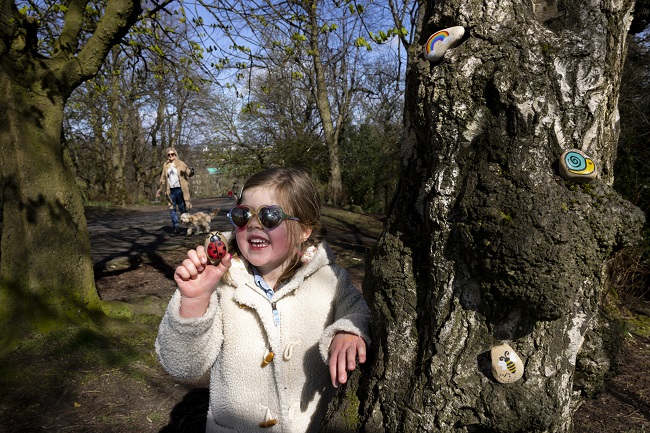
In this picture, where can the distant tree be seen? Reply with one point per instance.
(145, 99)
(318, 40)
(369, 153)
(281, 122)
(286, 108)
(370, 159)
(280, 125)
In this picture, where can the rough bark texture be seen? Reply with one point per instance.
(486, 243)
(45, 262)
(45, 246)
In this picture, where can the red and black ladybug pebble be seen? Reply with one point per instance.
(216, 247)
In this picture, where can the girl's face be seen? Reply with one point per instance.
(270, 251)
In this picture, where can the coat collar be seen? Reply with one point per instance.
(249, 294)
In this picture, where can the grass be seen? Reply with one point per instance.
(75, 378)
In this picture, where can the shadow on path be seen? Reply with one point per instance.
(123, 238)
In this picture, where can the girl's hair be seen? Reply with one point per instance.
(171, 149)
(298, 196)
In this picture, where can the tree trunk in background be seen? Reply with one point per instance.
(330, 129)
(141, 154)
(118, 132)
(486, 243)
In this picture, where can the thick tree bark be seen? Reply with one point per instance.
(486, 243)
(45, 263)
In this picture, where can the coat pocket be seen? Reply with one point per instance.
(211, 425)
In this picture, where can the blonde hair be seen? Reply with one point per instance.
(298, 196)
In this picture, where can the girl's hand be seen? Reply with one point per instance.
(345, 349)
(196, 280)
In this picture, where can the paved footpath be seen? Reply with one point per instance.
(128, 233)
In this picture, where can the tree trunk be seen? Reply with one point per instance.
(46, 274)
(486, 244)
(46, 265)
(330, 131)
(142, 156)
(117, 134)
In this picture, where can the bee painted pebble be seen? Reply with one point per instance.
(507, 366)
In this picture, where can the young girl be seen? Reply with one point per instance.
(268, 320)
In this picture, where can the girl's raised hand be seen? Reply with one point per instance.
(196, 280)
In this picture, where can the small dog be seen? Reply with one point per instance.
(199, 222)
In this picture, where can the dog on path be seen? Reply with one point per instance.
(198, 222)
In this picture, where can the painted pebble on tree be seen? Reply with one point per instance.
(216, 247)
(507, 367)
(577, 167)
(441, 41)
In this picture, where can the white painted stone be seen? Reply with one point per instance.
(441, 41)
(507, 366)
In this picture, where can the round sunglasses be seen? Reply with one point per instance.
(268, 216)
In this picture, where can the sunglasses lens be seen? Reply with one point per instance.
(240, 216)
(270, 217)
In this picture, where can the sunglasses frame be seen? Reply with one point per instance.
(171, 154)
(257, 214)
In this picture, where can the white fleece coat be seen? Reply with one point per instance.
(237, 333)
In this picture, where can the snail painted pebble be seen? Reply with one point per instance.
(216, 247)
(575, 166)
(507, 367)
(441, 41)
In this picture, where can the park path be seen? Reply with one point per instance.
(131, 232)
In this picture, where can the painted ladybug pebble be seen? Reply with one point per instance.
(216, 247)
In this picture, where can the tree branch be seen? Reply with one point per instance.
(118, 18)
(74, 17)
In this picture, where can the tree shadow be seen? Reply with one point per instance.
(351, 238)
(189, 415)
(123, 239)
